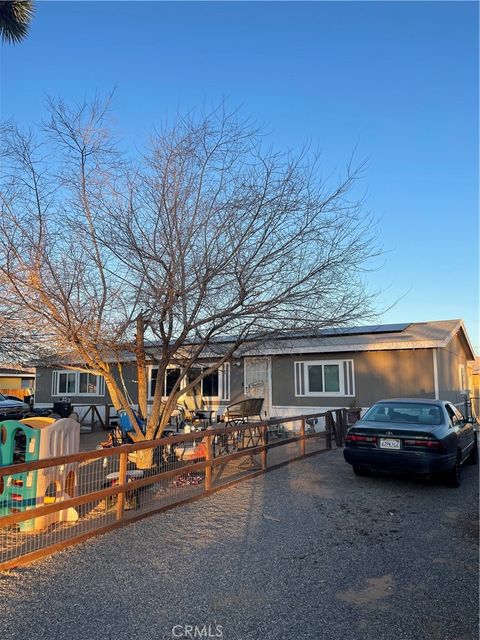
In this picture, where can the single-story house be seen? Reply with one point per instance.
(16, 380)
(308, 372)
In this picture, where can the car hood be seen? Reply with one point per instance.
(11, 404)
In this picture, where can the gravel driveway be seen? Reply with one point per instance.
(307, 551)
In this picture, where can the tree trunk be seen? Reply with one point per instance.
(141, 366)
(144, 459)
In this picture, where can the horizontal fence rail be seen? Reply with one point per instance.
(50, 504)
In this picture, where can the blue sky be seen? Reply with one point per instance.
(399, 81)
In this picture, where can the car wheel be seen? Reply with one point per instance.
(453, 477)
(473, 455)
(360, 471)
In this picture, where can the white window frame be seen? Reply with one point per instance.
(223, 382)
(346, 379)
(224, 379)
(150, 368)
(100, 387)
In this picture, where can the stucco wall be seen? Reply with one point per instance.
(378, 374)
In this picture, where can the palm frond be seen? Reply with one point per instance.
(15, 17)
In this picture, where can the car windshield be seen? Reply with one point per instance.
(405, 412)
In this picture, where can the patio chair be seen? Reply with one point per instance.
(241, 411)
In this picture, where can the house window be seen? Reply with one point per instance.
(66, 383)
(210, 385)
(324, 378)
(77, 383)
(192, 375)
(214, 385)
(87, 383)
(171, 376)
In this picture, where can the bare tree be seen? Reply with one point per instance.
(22, 338)
(206, 233)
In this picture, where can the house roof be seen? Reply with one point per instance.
(416, 335)
(16, 371)
(381, 337)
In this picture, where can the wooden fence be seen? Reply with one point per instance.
(229, 454)
(18, 393)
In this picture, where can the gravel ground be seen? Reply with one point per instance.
(307, 551)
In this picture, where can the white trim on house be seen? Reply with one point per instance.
(388, 346)
(224, 389)
(435, 374)
(346, 378)
(270, 387)
(98, 393)
(17, 375)
(285, 411)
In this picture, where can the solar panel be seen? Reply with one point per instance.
(355, 331)
(321, 333)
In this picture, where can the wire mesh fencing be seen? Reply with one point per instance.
(49, 504)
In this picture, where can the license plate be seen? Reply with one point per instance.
(389, 443)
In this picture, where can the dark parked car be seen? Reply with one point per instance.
(12, 409)
(411, 435)
(25, 405)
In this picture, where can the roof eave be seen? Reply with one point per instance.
(461, 325)
(391, 346)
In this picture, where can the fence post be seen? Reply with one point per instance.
(328, 430)
(302, 436)
(264, 442)
(122, 480)
(208, 459)
(344, 424)
(339, 421)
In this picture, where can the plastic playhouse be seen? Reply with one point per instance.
(32, 439)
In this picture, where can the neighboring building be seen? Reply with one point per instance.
(16, 380)
(474, 379)
(310, 372)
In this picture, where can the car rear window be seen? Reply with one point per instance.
(405, 412)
